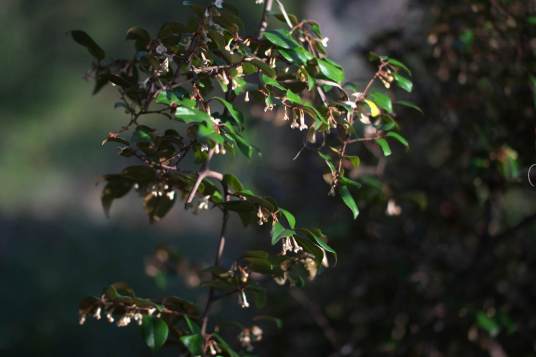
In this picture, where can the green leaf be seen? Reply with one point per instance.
(398, 137)
(384, 145)
(225, 346)
(233, 183)
(348, 200)
(116, 187)
(293, 97)
(193, 343)
(382, 100)
(189, 115)
(272, 82)
(396, 63)
(403, 83)
(488, 324)
(244, 146)
(319, 239)
(331, 70)
(83, 39)
(264, 67)
(349, 182)
(297, 55)
(281, 38)
(328, 161)
(140, 35)
(237, 116)
(155, 332)
(192, 326)
(409, 105)
(289, 217)
(278, 232)
(354, 160)
(158, 204)
(139, 173)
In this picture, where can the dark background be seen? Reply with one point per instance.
(419, 284)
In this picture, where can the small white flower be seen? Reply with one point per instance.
(228, 47)
(218, 4)
(246, 98)
(242, 300)
(123, 321)
(203, 205)
(259, 1)
(325, 41)
(82, 320)
(393, 209)
(204, 148)
(303, 126)
(97, 314)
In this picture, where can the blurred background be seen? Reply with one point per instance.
(448, 272)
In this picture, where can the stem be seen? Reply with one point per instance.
(268, 4)
(217, 259)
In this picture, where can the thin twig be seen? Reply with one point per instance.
(268, 4)
(217, 259)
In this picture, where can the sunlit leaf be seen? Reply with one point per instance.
(374, 110)
(398, 138)
(384, 145)
(348, 200)
(403, 82)
(382, 100)
(331, 70)
(289, 217)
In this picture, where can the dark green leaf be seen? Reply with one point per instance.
(264, 67)
(225, 346)
(116, 187)
(409, 105)
(158, 204)
(193, 343)
(85, 40)
(140, 35)
(272, 82)
(281, 38)
(155, 332)
(237, 116)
